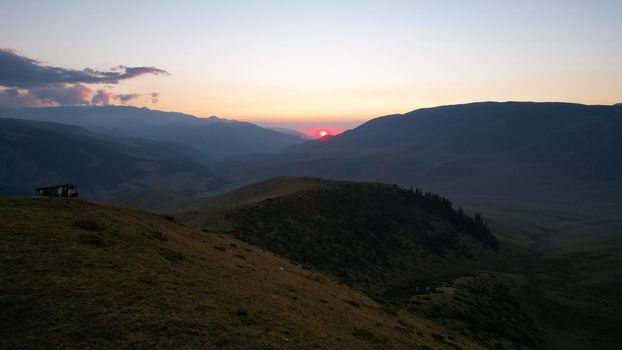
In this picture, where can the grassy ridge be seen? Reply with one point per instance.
(365, 234)
(81, 275)
(409, 249)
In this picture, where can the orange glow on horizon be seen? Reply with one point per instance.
(321, 133)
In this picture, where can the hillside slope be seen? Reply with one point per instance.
(213, 136)
(36, 154)
(404, 247)
(396, 229)
(369, 235)
(80, 275)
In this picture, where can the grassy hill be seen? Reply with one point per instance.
(401, 247)
(552, 284)
(154, 200)
(78, 275)
(163, 201)
(370, 235)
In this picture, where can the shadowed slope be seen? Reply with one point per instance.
(404, 247)
(368, 234)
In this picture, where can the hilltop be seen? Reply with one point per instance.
(163, 201)
(406, 248)
(330, 225)
(83, 275)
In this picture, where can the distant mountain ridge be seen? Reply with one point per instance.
(292, 132)
(35, 154)
(557, 153)
(213, 136)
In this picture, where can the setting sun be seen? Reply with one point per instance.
(323, 133)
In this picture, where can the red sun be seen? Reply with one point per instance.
(323, 133)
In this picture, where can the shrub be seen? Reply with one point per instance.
(87, 225)
(352, 303)
(438, 337)
(362, 333)
(91, 239)
(157, 235)
(172, 255)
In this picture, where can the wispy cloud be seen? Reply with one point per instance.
(125, 98)
(23, 72)
(27, 82)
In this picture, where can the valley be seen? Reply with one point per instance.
(512, 260)
(310, 175)
(540, 288)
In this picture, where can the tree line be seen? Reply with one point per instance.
(476, 225)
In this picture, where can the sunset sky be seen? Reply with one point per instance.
(297, 63)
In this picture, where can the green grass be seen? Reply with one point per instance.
(566, 275)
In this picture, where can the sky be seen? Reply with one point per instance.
(298, 63)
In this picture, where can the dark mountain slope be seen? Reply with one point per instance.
(34, 154)
(77, 275)
(291, 132)
(494, 129)
(213, 136)
(369, 235)
(524, 152)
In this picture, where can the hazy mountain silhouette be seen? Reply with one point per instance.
(34, 154)
(513, 151)
(213, 136)
(291, 132)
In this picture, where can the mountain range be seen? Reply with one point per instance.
(519, 250)
(38, 154)
(554, 156)
(557, 155)
(213, 136)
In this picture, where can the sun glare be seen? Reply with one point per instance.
(323, 133)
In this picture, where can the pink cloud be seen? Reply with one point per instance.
(102, 97)
(27, 82)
